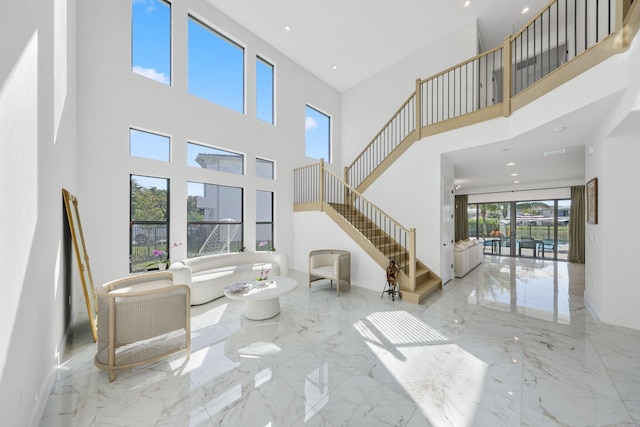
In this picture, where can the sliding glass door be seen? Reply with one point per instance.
(538, 229)
(542, 228)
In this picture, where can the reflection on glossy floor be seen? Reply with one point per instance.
(510, 344)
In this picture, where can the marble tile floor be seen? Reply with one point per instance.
(510, 344)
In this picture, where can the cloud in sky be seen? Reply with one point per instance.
(310, 123)
(151, 73)
(149, 3)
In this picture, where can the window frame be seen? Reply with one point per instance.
(263, 59)
(273, 168)
(133, 223)
(512, 234)
(242, 157)
(240, 224)
(217, 31)
(170, 47)
(160, 134)
(272, 222)
(329, 158)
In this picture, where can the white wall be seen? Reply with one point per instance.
(316, 230)
(611, 279)
(112, 98)
(367, 106)
(414, 181)
(37, 140)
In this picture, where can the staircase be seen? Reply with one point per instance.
(502, 80)
(425, 281)
(491, 85)
(380, 236)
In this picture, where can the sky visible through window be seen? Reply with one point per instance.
(216, 67)
(151, 40)
(317, 134)
(149, 145)
(150, 182)
(215, 71)
(264, 90)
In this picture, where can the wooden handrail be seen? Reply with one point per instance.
(533, 19)
(626, 26)
(631, 22)
(468, 61)
(373, 140)
(359, 195)
(368, 160)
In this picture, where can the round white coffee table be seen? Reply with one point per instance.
(262, 300)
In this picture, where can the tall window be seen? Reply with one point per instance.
(264, 168)
(216, 67)
(264, 221)
(264, 90)
(214, 219)
(149, 145)
(214, 158)
(151, 39)
(149, 222)
(317, 134)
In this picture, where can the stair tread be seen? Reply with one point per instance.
(426, 281)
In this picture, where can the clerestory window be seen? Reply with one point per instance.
(151, 39)
(216, 66)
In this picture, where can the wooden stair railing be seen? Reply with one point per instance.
(566, 38)
(383, 238)
(491, 85)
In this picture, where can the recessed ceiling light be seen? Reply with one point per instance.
(287, 28)
(466, 3)
(555, 152)
(525, 10)
(516, 182)
(511, 164)
(514, 174)
(334, 67)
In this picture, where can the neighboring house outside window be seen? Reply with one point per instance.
(214, 219)
(265, 168)
(214, 159)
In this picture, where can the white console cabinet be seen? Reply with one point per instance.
(468, 255)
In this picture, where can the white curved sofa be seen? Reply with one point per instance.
(208, 275)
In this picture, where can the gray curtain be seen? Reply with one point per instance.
(461, 218)
(577, 225)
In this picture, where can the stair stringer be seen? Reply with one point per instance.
(426, 282)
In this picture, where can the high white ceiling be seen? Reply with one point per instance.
(363, 37)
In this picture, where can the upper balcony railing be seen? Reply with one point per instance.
(560, 33)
